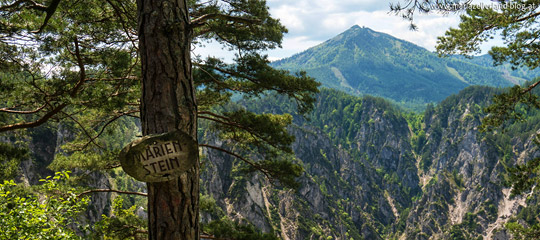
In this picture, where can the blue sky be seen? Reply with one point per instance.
(311, 22)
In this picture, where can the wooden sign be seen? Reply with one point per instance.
(159, 158)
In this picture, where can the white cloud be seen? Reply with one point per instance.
(311, 22)
(429, 27)
(289, 17)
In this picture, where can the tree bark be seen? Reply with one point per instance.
(168, 103)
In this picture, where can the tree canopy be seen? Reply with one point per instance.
(78, 62)
(76, 65)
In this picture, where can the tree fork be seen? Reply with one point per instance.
(168, 103)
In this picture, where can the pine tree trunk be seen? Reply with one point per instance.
(168, 103)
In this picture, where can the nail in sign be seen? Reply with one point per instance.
(159, 158)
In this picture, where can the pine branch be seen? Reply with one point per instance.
(530, 88)
(218, 16)
(84, 130)
(118, 13)
(59, 108)
(50, 11)
(254, 134)
(213, 79)
(107, 124)
(111, 190)
(264, 171)
(244, 76)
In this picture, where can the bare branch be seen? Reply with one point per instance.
(111, 190)
(9, 110)
(214, 238)
(114, 79)
(32, 5)
(84, 130)
(215, 16)
(264, 171)
(530, 88)
(36, 123)
(112, 166)
(82, 75)
(107, 124)
(213, 115)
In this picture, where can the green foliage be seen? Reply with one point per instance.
(93, 86)
(348, 122)
(93, 63)
(517, 27)
(76, 66)
(482, 24)
(516, 112)
(525, 176)
(509, 107)
(466, 229)
(100, 152)
(521, 232)
(284, 171)
(456, 233)
(252, 76)
(226, 228)
(123, 224)
(526, 224)
(517, 75)
(10, 158)
(47, 214)
(207, 204)
(265, 132)
(418, 140)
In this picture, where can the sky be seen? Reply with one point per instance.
(311, 22)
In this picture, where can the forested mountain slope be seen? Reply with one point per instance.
(362, 61)
(374, 172)
(513, 73)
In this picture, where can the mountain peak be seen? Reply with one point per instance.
(363, 61)
(359, 33)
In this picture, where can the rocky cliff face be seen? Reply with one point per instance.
(465, 195)
(354, 188)
(370, 173)
(364, 179)
(44, 143)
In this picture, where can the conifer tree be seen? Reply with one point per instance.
(81, 64)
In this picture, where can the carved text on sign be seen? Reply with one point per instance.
(161, 157)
